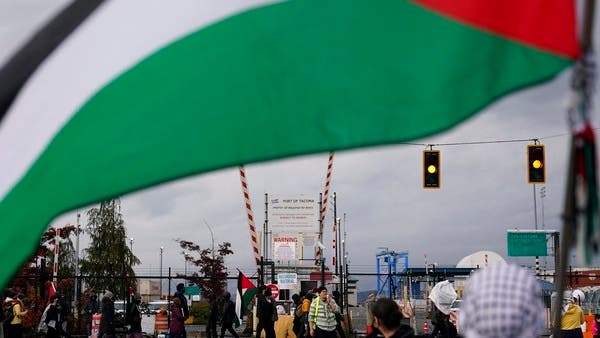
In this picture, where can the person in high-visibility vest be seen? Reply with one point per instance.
(321, 316)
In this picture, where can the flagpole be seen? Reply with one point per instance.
(569, 212)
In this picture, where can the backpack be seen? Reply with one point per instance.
(9, 314)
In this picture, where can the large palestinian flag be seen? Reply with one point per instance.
(144, 92)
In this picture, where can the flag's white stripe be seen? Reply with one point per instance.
(113, 39)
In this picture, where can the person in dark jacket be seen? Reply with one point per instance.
(267, 313)
(107, 322)
(387, 320)
(134, 319)
(91, 307)
(229, 316)
(260, 303)
(180, 293)
(51, 320)
(213, 315)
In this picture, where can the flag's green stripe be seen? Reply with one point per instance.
(246, 299)
(293, 78)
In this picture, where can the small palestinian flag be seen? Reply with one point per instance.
(246, 290)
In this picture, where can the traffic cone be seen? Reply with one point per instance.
(425, 327)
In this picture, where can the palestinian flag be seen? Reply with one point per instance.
(246, 290)
(147, 91)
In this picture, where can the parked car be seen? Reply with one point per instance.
(155, 306)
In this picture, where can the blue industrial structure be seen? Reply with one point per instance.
(387, 271)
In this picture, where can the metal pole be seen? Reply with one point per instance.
(320, 250)
(335, 253)
(161, 281)
(537, 258)
(76, 261)
(266, 229)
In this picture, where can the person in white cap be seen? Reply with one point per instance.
(502, 301)
(572, 315)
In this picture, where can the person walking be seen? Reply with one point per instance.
(91, 307)
(337, 297)
(229, 316)
(260, 304)
(185, 310)
(387, 320)
(134, 319)
(107, 322)
(213, 313)
(16, 324)
(52, 320)
(63, 317)
(321, 316)
(268, 314)
(176, 325)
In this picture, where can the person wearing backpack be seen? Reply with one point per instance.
(16, 324)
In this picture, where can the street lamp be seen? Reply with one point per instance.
(212, 238)
(161, 281)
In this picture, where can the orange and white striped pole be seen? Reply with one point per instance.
(319, 252)
(253, 236)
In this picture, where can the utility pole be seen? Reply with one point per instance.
(161, 281)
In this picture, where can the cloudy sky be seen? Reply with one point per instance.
(484, 193)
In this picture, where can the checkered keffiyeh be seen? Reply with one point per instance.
(502, 301)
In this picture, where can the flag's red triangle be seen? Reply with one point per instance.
(246, 283)
(549, 25)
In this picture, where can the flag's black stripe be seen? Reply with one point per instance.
(24, 62)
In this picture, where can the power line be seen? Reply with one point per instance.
(535, 140)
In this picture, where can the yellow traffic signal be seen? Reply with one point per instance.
(431, 169)
(536, 168)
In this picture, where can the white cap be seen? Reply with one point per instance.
(8, 299)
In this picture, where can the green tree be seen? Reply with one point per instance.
(108, 261)
(212, 275)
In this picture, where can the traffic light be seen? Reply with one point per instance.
(536, 165)
(431, 169)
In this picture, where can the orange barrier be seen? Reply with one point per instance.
(96, 325)
(162, 323)
(589, 322)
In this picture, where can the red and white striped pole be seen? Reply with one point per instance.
(319, 253)
(253, 235)
(56, 250)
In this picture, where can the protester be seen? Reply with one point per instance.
(303, 313)
(442, 295)
(322, 315)
(268, 314)
(369, 305)
(107, 322)
(338, 316)
(572, 317)
(502, 301)
(52, 318)
(387, 320)
(63, 317)
(596, 326)
(134, 318)
(176, 325)
(213, 313)
(260, 304)
(180, 293)
(229, 316)
(297, 321)
(5, 323)
(16, 325)
(91, 307)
